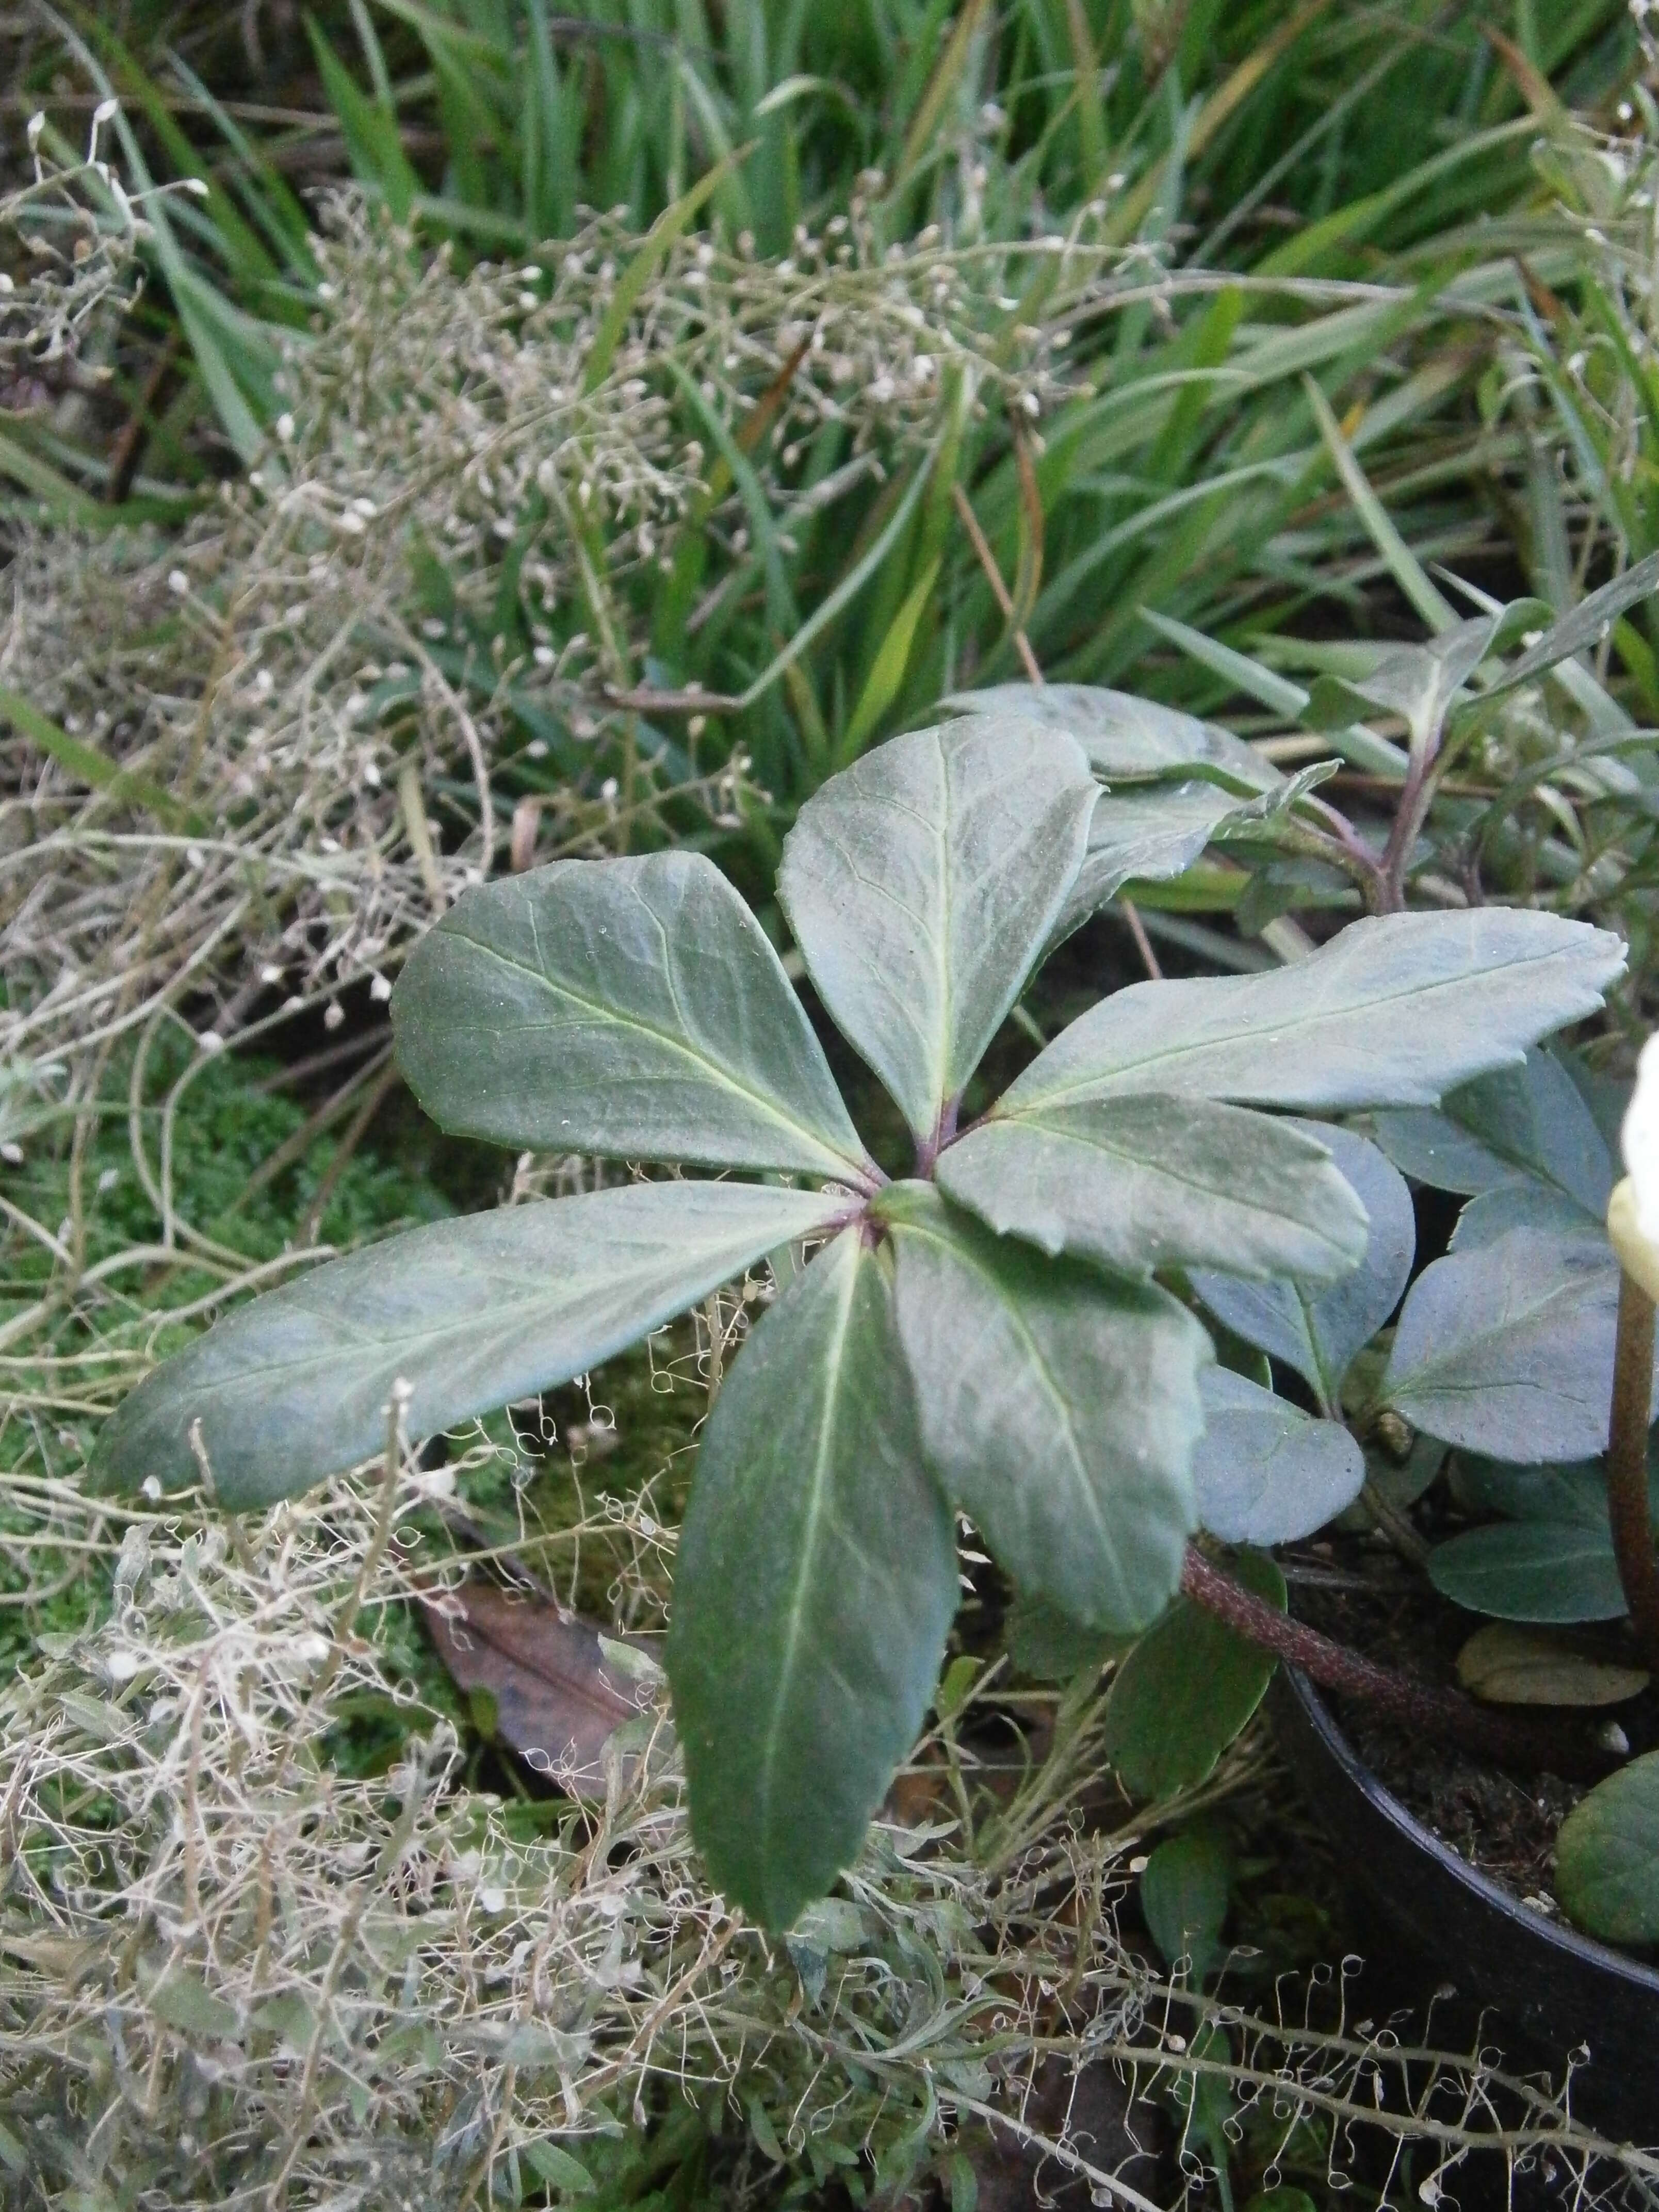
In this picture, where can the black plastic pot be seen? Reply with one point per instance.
(1554, 1988)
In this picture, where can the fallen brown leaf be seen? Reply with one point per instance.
(556, 1701)
(1509, 1665)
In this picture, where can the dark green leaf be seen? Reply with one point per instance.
(551, 2163)
(1576, 1491)
(921, 884)
(1506, 1348)
(813, 1591)
(1544, 1571)
(1187, 1689)
(1265, 1472)
(1059, 1408)
(1318, 1334)
(1606, 1856)
(1042, 1643)
(1127, 740)
(631, 1008)
(1185, 1887)
(1395, 1011)
(1530, 1120)
(1144, 1181)
(471, 1313)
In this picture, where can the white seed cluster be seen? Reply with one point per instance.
(330, 748)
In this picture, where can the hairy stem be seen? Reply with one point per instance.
(1627, 1465)
(1415, 795)
(1448, 1714)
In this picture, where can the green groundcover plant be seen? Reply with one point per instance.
(997, 1334)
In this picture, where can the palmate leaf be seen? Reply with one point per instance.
(814, 1587)
(629, 1008)
(471, 1313)
(921, 884)
(1059, 1409)
(1317, 1331)
(1395, 1011)
(1146, 1182)
(1125, 739)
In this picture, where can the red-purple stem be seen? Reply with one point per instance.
(1500, 1738)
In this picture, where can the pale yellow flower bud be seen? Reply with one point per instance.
(1633, 1209)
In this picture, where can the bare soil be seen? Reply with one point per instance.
(1504, 1824)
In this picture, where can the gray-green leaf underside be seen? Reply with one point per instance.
(1506, 1348)
(1318, 1330)
(1395, 1011)
(1416, 681)
(813, 1591)
(921, 885)
(1125, 739)
(628, 1008)
(1265, 1472)
(1530, 1120)
(1059, 1409)
(470, 1314)
(1146, 1182)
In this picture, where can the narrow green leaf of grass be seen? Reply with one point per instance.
(670, 225)
(849, 586)
(1090, 108)
(62, 498)
(1275, 692)
(374, 146)
(940, 87)
(551, 136)
(89, 766)
(887, 671)
(1402, 563)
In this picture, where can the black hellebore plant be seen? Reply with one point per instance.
(986, 1336)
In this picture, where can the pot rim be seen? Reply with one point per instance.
(1587, 1950)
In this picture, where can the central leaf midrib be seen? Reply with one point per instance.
(834, 1353)
(1045, 1376)
(1147, 1164)
(462, 1325)
(942, 943)
(1291, 1025)
(665, 1037)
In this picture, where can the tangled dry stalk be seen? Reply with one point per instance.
(235, 1976)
